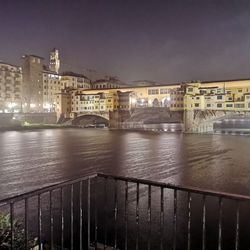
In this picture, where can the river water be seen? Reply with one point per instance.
(33, 159)
(38, 158)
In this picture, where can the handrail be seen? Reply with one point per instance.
(42, 190)
(178, 187)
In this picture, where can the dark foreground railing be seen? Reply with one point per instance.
(103, 211)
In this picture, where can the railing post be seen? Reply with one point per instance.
(39, 222)
(51, 221)
(137, 216)
(126, 215)
(220, 223)
(237, 226)
(175, 218)
(115, 214)
(149, 217)
(96, 217)
(80, 213)
(12, 225)
(62, 219)
(162, 218)
(89, 214)
(105, 213)
(72, 216)
(204, 223)
(26, 224)
(189, 220)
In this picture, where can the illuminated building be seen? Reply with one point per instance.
(110, 83)
(54, 62)
(51, 87)
(231, 95)
(32, 88)
(74, 81)
(105, 100)
(10, 88)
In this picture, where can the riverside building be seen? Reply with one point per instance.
(105, 100)
(32, 87)
(10, 88)
(51, 87)
(227, 95)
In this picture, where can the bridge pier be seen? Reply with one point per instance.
(202, 121)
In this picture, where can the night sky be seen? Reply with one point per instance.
(166, 41)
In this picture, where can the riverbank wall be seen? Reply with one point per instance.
(14, 120)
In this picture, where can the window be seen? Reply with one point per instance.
(153, 91)
(208, 105)
(197, 98)
(219, 97)
(163, 91)
(196, 105)
(219, 105)
(239, 90)
(229, 105)
(249, 105)
(190, 89)
(239, 105)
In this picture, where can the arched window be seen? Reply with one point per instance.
(156, 103)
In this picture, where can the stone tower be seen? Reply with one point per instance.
(32, 86)
(54, 63)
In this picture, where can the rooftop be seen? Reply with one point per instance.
(70, 73)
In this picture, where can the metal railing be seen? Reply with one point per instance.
(102, 211)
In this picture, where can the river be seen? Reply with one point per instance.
(38, 158)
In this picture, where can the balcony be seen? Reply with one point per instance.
(111, 212)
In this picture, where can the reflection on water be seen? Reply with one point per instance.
(32, 159)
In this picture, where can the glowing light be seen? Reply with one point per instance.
(133, 100)
(47, 105)
(32, 105)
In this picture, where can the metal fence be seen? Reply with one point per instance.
(113, 212)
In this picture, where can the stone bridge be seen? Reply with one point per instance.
(202, 121)
(152, 115)
(91, 118)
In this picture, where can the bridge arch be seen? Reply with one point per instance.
(166, 101)
(156, 103)
(90, 119)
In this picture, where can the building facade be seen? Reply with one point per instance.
(10, 88)
(106, 100)
(74, 81)
(32, 87)
(110, 83)
(51, 87)
(230, 95)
